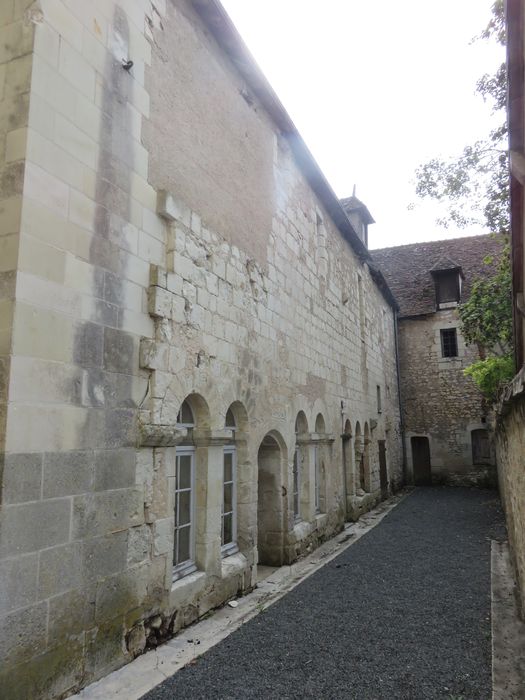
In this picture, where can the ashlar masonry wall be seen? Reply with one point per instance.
(439, 402)
(510, 448)
(169, 249)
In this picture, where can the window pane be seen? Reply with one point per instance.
(184, 544)
(296, 504)
(449, 345)
(228, 497)
(185, 416)
(230, 419)
(448, 286)
(184, 472)
(228, 466)
(184, 512)
(228, 529)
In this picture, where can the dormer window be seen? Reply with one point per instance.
(447, 280)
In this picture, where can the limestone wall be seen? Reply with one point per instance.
(16, 55)
(144, 278)
(439, 402)
(510, 445)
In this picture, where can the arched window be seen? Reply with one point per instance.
(185, 417)
(301, 430)
(184, 507)
(229, 491)
(319, 476)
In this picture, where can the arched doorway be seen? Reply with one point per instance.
(271, 500)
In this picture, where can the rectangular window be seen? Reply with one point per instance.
(378, 390)
(448, 287)
(449, 342)
(229, 502)
(296, 483)
(184, 539)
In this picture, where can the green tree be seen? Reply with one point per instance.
(486, 321)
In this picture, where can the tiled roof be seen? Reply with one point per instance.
(408, 268)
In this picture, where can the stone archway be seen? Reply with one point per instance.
(271, 500)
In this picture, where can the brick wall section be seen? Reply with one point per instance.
(121, 313)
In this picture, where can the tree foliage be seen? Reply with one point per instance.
(486, 321)
(491, 374)
(486, 316)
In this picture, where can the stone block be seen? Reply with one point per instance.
(67, 473)
(121, 593)
(59, 570)
(76, 69)
(158, 276)
(22, 478)
(18, 582)
(23, 634)
(70, 613)
(120, 351)
(114, 469)
(159, 302)
(64, 22)
(109, 511)
(89, 345)
(174, 283)
(163, 536)
(139, 544)
(46, 189)
(170, 208)
(46, 334)
(15, 146)
(49, 675)
(103, 556)
(153, 355)
(32, 526)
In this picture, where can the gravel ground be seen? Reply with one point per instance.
(403, 613)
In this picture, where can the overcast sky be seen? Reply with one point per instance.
(376, 88)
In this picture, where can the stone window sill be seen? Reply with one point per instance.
(189, 580)
(233, 564)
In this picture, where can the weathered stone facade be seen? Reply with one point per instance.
(166, 242)
(510, 445)
(510, 425)
(446, 421)
(439, 402)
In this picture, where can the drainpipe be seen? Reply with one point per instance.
(401, 423)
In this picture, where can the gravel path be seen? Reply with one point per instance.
(403, 613)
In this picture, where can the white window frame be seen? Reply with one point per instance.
(296, 483)
(188, 566)
(317, 480)
(230, 547)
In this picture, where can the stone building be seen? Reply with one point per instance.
(510, 432)
(197, 356)
(444, 415)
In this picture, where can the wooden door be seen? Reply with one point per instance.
(421, 461)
